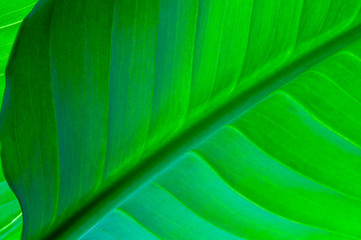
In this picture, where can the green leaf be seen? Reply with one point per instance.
(11, 15)
(151, 107)
(11, 216)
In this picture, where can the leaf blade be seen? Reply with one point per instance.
(71, 118)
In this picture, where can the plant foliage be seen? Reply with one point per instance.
(183, 119)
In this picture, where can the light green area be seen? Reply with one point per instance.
(11, 216)
(12, 13)
(105, 99)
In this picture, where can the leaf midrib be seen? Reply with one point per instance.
(120, 189)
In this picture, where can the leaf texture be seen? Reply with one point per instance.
(288, 168)
(11, 15)
(11, 216)
(103, 96)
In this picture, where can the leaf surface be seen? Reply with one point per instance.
(11, 16)
(11, 216)
(288, 168)
(117, 92)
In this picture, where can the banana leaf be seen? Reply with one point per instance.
(185, 119)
